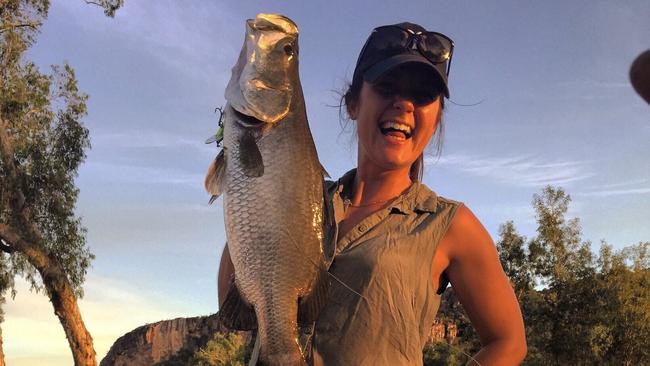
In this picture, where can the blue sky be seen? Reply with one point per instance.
(539, 95)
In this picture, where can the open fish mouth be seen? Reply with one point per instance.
(246, 120)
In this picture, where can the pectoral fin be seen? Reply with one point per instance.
(250, 156)
(330, 230)
(236, 313)
(310, 306)
(215, 178)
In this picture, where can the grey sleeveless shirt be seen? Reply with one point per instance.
(385, 310)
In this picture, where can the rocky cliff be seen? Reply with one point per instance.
(167, 342)
(173, 342)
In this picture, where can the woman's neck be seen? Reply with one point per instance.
(373, 186)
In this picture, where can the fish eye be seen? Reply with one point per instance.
(288, 50)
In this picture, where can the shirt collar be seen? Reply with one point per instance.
(416, 199)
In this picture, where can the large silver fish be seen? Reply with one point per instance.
(273, 185)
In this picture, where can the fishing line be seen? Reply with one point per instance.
(318, 267)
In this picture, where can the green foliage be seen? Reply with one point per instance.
(513, 257)
(442, 354)
(579, 308)
(221, 350)
(41, 115)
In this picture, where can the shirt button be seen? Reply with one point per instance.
(362, 228)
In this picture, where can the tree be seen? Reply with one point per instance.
(223, 349)
(627, 276)
(514, 258)
(579, 308)
(42, 144)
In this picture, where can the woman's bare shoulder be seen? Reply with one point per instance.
(466, 236)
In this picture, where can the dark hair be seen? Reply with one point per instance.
(416, 172)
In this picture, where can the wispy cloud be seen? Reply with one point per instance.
(590, 89)
(110, 309)
(124, 173)
(635, 186)
(629, 183)
(192, 37)
(518, 171)
(615, 192)
(149, 138)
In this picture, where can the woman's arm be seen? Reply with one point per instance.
(484, 291)
(226, 270)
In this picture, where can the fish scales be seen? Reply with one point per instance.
(273, 240)
(273, 190)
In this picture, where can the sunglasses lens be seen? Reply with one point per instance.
(385, 42)
(434, 47)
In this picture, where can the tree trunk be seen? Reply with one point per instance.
(2, 354)
(65, 306)
(61, 295)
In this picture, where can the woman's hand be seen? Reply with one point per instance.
(474, 270)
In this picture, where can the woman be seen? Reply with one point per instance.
(398, 243)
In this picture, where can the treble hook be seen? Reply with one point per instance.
(218, 137)
(220, 110)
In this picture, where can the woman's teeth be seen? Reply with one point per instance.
(395, 129)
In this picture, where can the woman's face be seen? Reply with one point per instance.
(396, 117)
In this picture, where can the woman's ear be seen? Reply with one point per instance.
(351, 106)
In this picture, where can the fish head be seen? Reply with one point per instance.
(263, 80)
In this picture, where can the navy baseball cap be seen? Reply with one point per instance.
(390, 46)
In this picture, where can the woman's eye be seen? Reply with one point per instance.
(383, 90)
(423, 98)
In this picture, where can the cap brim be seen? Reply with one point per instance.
(377, 70)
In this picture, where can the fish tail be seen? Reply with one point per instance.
(278, 339)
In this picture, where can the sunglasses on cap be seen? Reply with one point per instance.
(393, 40)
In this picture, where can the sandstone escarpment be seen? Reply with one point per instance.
(166, 342)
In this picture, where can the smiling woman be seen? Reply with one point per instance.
(399, 244)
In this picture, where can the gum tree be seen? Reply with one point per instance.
(42, 144)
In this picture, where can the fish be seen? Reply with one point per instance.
(279, 227)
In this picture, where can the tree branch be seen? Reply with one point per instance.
(10, 238)
(109, 6)
(4, 246)
(11, 26)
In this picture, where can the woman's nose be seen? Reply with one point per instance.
(403, 104)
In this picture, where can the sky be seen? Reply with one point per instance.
(539, 95)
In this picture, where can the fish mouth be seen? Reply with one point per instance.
(246, 120)
(275, 22)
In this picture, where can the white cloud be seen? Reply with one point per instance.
(33, 335)
(518, 171)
